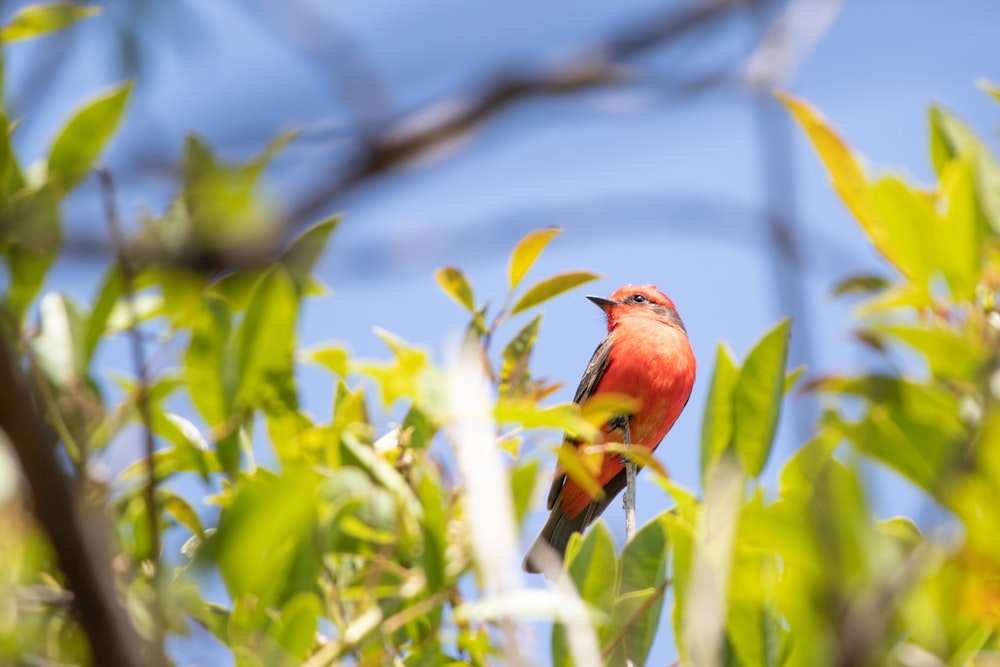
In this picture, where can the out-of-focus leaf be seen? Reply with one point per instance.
(209, 384)
(907, 219)
(111, 291)
(949, 355)
(11, 176)
(332, 357)
(566, 417)
(434, 531)
(642, 457)
(522, 484)
(958, 238)
(36, 20)
(798, 477)
(181, 511)
(514, 369)
(401, 377)
(860, 285)
(454, 283)
(581, 468)
(302, 255)
(129, 312)
(418, 428)
(295, 630)
(717, 422)
(550, 287)
(266, 522)
(592, 566)
(757, 398)
(83, 138)
(793, 377)
(527, 251)
(266, 336)
(601, 408)
(952, 140)
(37, 239)
(59, 347)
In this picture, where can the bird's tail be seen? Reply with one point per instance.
(555, 536)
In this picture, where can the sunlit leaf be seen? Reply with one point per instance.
(59, 345)
(949, 354)
(36, 20)
(717, 422)
(642, 457)
(266, 336)
(550, 287)
(514, 369)
(110, 292)
(757, 398)
(527, 251)
(181, 511)
(454, 283)
(83, 138)
(301, 256)
(581, 468)
(522, 484)
(332, 357)
(959, 237)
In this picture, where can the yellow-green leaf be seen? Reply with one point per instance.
(958, 238)
(638, 455)
(37, 20)
(527, 251)
(757, 398)
(717, 423)
(990, 88)
(550, 287)
(455, 285)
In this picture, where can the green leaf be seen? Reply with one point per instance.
(266, 337)
(550, 287)
(302, 255)
(332, 357)
(522, 484)
(527, 251)
(111, 290)
(35, 20)
(949, 355)
(642, 569)
(295, 630)
(717, 422)
(591, 564)
(83, 138)
(208, 383)
(950, 138)
(514, 374)
(59, 346)
(757, 398)
(454, 283)
(958, 238)
(181, 511)
(11, 177)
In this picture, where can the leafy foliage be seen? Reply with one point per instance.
(357, 543)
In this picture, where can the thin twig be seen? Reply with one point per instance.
(142, 400)
(629, 499)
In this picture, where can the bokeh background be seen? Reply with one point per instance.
(445, 130)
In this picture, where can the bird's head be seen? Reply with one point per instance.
(638, 301)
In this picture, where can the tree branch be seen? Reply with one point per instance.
(86, 565)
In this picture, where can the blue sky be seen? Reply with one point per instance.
(648, 188)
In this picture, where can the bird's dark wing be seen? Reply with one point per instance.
(595, 370)
(588, 384)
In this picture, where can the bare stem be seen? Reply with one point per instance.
(630, 470)
(142, 399)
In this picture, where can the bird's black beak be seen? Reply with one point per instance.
(602, 303)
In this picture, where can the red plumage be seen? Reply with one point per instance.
(647, 356)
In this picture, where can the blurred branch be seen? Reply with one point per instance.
(86, 565)
(331, 49)
(142, 401)
(445, 122)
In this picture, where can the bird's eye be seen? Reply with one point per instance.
(638, 298)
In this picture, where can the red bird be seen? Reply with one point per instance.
(646, 355)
